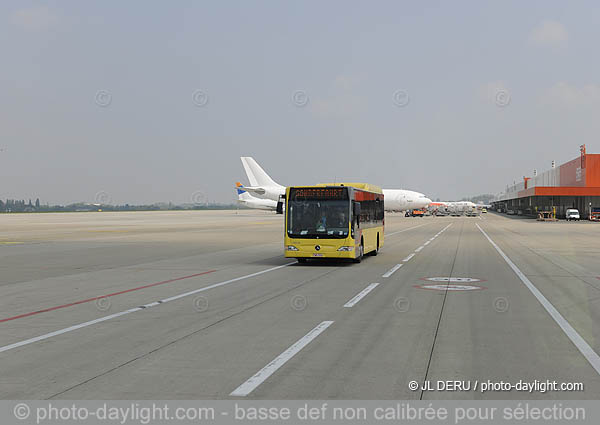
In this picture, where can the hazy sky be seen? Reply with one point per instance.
(156, 101)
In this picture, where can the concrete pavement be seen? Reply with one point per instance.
(194, 305)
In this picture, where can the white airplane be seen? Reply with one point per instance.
(404, 200)
(265, 187)
(250, 201)
(461, 204)
(260, 182)
(458, 206)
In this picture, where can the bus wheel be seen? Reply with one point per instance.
(301, 260)
(361, 253)
(376, 251)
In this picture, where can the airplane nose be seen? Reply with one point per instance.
(429, 201)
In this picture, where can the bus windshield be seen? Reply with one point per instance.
(318, 218)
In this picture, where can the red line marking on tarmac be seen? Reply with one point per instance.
(20, 316)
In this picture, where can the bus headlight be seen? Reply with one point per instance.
(291, 248)
(346, 248)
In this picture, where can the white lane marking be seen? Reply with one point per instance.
(409, 257)
(573, 335)
(391, 271)
(451, 287)
(260, 376)
(453, 279)
(133, 310)
(405, 230)
(419, 248)
(361, 295)
(427, 243)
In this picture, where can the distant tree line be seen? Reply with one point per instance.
(21, 206)
(14, 205)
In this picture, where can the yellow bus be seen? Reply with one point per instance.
(333, 220)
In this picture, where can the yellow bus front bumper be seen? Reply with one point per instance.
(320, 248)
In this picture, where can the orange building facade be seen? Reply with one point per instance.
(574, 184)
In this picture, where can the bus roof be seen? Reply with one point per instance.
(362, 186)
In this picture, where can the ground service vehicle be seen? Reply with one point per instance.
(472, 212)
(418, 213)
(333, 220)
(572, 214)
(595, 214)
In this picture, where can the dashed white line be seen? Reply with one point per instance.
(409, 257)
(391, 271)
(133, 310)
(260, 376)
(361, 295)
(427, 243)
(419, 248)
(573, 335)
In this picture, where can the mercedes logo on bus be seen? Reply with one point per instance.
(318, 247)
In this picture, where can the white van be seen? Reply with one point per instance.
(572, 214)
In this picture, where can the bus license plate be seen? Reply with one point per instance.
(317, 255)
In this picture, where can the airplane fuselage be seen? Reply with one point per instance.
(262, 186)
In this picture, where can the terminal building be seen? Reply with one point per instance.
(574, 184)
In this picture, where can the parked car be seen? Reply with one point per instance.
(572, 214)
(484, 210)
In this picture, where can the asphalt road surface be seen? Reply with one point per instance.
(203, 305)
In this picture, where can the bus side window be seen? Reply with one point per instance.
(379, 209)
(356, 211)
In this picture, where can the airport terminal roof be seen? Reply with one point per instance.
(578, 177)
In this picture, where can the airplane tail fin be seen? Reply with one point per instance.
(242, 194)
(256, 175)
(240, 188)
